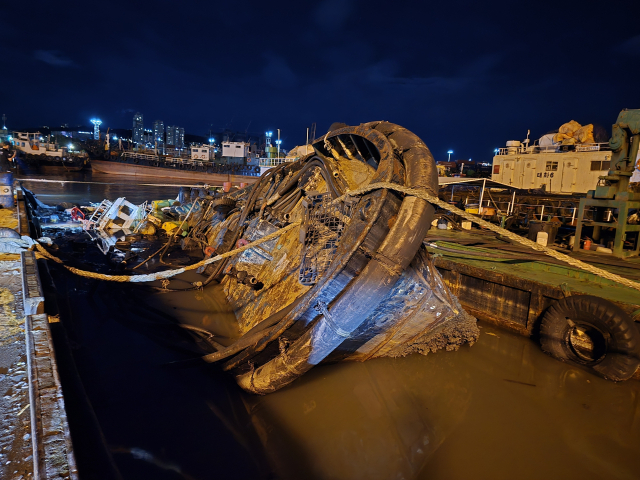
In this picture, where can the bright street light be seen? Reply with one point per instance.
(450, 152)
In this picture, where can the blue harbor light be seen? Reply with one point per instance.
(449, 152)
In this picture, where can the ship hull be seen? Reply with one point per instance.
(129, 169)
(35, 164)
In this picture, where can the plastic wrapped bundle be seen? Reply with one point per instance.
(584, 134)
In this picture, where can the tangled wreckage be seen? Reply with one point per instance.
(352, 281)
(349, 280)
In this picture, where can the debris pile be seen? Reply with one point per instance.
(337, 276)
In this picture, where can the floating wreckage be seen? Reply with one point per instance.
(313, 273)
(352, 281)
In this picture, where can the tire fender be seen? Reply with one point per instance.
(616, 337)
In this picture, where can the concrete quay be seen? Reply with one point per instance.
(34, 435)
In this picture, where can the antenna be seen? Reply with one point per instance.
(312, 133)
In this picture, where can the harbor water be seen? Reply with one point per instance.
(141, 406)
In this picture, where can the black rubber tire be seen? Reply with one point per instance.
(620, 337)
(224, 201)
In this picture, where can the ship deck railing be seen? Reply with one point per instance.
(580, 147)
(140, 156)
(274, 162)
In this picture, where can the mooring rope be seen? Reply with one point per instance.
(149, 277)
(420, 193)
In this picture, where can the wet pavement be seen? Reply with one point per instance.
(16, 460)
(142, 408)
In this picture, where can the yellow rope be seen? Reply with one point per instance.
(420, 193)
(166, 273)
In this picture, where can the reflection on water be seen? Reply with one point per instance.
(110, 187)
(500, 409)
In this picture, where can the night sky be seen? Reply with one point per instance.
(465, 76)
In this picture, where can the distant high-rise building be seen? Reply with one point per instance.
(181, 137)
(147, 136)
(175, 136)
(138, 128)
(158, 131)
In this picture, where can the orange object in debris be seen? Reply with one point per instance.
(242, 185)
(226, 186)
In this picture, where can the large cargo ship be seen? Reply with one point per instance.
(198, 165)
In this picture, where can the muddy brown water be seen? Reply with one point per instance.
(500, 409)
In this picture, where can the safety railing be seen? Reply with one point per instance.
(567, 212)
(580, 147)
(140, 156)
(274, 162)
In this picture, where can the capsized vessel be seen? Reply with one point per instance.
(352, 280)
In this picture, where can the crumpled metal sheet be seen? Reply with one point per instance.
(418, 302)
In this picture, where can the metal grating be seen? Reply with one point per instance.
(324, 223)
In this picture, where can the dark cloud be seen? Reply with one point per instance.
(53, 57)
(462, 75)
(630, 47)
(277, 72)
(332, 14)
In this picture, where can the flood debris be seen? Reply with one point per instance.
(351, 281)
(110, 223)
(343, 278)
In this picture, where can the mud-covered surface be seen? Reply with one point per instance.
(15, 425)
(462, 329)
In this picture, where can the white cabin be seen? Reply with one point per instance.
(558, 169)
(235, 149)
(34, 144)
(203, 153)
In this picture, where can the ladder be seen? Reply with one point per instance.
(99, 212)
